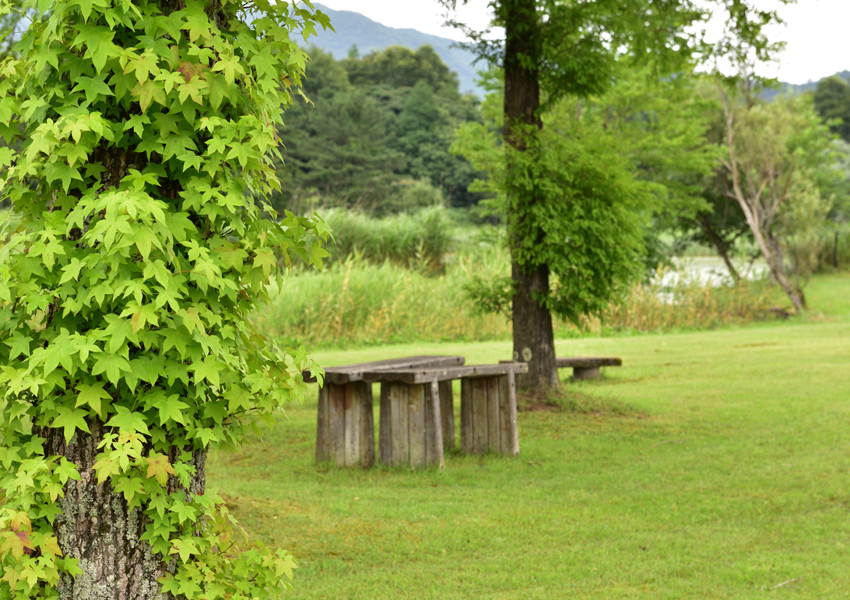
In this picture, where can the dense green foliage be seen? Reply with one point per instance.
(126, 286)
(832, 102)
(375, 130)
(600, 169)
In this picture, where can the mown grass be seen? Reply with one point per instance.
(711, 465)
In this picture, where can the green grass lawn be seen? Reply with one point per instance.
(711, 465)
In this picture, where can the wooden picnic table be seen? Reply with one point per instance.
(345, 430)
(412, 404)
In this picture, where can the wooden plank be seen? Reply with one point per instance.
(435, 444)
(336, 412)
(514, 425)
(416, 425)
(413, 376)
(479, 415)
(351, 427)
(447, 414)
(467, 426)
(353, 372)
(587, 362)
(494, 443)
(322, 427)
(385, 444)
(367, 424)
(400, 435)
(506, 434)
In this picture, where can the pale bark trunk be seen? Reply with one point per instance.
(759, 223)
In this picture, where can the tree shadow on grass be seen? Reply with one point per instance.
(570, 401)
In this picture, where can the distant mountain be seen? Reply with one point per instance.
(353, 29)
(802, 87)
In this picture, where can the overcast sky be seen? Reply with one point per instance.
(817, 31)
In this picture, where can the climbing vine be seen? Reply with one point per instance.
(147, 131)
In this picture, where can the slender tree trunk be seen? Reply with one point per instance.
(97, 528)
(534, 338)
(757, 222)
(721, 245)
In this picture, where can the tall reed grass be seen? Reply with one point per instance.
(419, 239)
(355, 302)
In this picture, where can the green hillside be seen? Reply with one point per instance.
(353, 29)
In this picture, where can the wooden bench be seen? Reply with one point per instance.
(345, 430)
(413, 401)
(585, 367)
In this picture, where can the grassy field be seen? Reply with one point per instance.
(711, 465)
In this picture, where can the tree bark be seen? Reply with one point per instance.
(97, 528)
(533, 334)
(759, 220)
(721, 245)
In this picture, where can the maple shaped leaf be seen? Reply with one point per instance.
(159, 467)
(70, 420)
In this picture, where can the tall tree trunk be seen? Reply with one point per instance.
(534, 338)
(97, 528)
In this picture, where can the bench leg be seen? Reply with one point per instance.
(447, 414)
(345, 432)
(410, 431)
(585, 372)
(488, 415)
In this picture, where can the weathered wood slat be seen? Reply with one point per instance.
(367, 427)
(351, 425)
(415, 376)
(514, 424)
(416, 425)
(467, 424)
(447, 414)
(348, 373)
(435, 444)
(323, 450)
(385, 441)
(506, 431)
(400, 427)
(479, 415)
(493, 426)
(336, 417)
(587, 362)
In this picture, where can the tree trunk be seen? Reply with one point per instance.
(534, 338)
(721, 245)
(97, 528)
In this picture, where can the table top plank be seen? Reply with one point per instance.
(417, 376)
(350, 373)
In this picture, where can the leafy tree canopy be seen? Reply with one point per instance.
(376, 128)
(126, 350)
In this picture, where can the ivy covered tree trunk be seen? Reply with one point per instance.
(98, 528)
(147, 132)
(533, 334)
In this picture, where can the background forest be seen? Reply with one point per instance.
(400, 163)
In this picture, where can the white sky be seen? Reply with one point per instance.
(817, 31)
